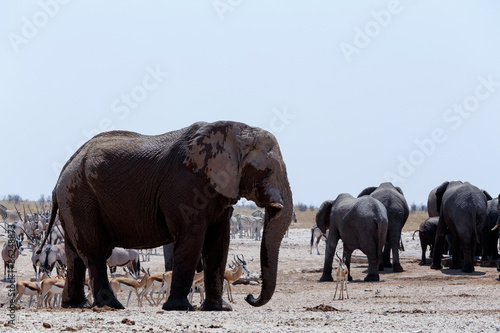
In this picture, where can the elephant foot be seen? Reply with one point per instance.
(456, 266)
(107, 298)
(387, 264)
(381, 267)
(435, 266)
(422, 263)
(349, 277)
(72, 304)
(177, 305)
(468, 269)
(326, 278)
(397, 268)
(218, 306)
(372, 278)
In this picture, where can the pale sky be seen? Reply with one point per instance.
(356, 92)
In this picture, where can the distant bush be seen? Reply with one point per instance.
(300, 207)
(13, 197)
(414, 207)
(312, 208)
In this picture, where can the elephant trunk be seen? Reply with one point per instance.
(276, 222)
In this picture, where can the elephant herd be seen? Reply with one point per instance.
(124, 189)
(461, 218)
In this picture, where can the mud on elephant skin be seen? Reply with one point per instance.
(361, 223)
(124, 189)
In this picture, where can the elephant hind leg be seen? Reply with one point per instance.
(73, 294)
(103, 294)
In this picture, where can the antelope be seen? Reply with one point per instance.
(164, 292)
(341, 277)
(233, 275)
(153, 283)
(35, 259)
(316, 233)
(10, 252)
(50, 287)
(28, 288)
(52, 254)
(124, 257)
(130, 284)
(198, 283)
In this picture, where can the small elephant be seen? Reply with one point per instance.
(462, 210)
(139, 191)
(361, 223)
(397, 212)
(427, 236)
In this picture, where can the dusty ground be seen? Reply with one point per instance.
(417, 300)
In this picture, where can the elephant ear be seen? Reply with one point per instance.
(439, 194)
(214, 152)
(367, 191)
(399, 190)
(323, 215)
(488, 196)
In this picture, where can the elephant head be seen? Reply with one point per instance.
(323, 216)
(237, 160)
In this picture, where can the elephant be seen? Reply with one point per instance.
(397, 213)
(462, 210)
(489, 238)
(361, 223)
(432, 209)
(124, 189)
(427, 235)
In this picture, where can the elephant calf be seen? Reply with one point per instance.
(361, 223)
(427, 234)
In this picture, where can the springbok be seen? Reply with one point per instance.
(130, 284)
(28, 288)
(50, 287)
(341, 277)
(233, 275)
(153, 283)
(198, 284)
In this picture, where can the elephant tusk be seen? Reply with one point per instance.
(276, 205)
(495, 227)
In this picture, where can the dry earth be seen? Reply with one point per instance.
(417, 300)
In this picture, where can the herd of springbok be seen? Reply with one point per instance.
(48, 290)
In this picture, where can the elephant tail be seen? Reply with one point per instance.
(53, 214)
(413, 237)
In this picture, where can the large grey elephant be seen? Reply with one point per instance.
(397, 213)
(361, 223)
(462, 210)
(137, 191)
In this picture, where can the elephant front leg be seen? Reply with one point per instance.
(73, 294)
(187, 251)
(331, 245)
(215, 252)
